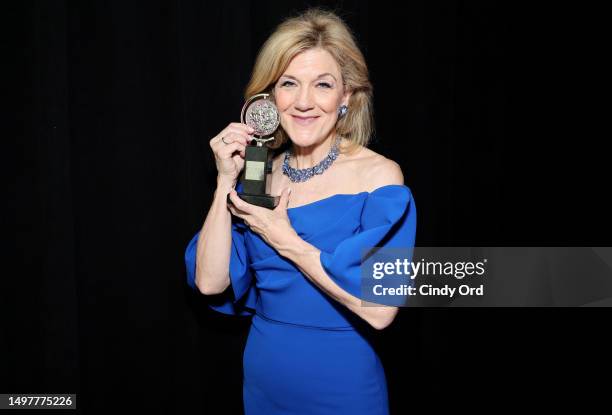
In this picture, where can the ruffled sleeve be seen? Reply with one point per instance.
(388, 219)
(241, 277)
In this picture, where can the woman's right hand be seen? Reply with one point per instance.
(229, 147)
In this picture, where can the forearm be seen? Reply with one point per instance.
(307, 258)
(214, 244)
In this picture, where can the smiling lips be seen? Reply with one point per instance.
(304, 120)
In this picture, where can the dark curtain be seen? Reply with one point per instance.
(115, 176)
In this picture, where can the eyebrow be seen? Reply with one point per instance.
(318, 77)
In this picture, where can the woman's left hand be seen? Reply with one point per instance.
(273, 225)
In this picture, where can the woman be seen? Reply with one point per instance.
(296, 268)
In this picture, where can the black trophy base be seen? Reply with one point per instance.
(266, 201)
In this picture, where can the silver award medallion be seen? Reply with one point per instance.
(260, 113)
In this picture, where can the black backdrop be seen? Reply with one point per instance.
(115, 175)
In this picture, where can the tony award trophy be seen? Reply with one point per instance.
(259, 113)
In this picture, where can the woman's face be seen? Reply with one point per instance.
(308, 95)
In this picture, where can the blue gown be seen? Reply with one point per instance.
(304, 354)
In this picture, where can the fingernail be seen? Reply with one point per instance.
(289, 191)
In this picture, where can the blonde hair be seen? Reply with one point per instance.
(317, 28)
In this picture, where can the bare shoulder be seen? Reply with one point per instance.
(375, 170)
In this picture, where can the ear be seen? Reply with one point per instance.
(346, 96)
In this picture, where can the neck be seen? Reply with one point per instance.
(309, 156)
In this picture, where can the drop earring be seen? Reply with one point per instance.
(342, 111)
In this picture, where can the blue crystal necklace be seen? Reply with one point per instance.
(301, 175)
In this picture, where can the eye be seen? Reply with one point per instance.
(287, 83)
(324, 84)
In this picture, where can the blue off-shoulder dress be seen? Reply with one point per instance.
(304, 353)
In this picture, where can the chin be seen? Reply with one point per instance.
(305, 137)
(302, 138)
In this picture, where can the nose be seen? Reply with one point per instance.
(303, 101)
